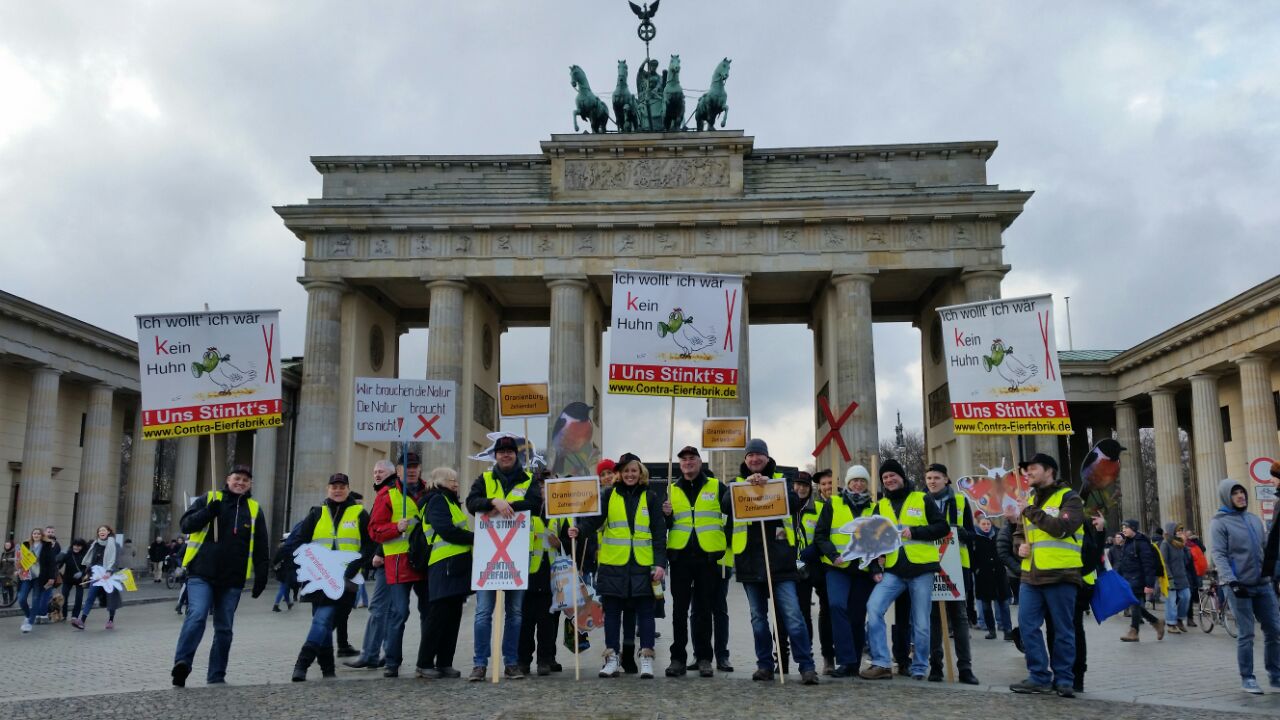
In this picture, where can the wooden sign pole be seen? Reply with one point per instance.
(946, 641)
(775, 627)
(495, 639)
(573, 556)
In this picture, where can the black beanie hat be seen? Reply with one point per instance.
(894, 466)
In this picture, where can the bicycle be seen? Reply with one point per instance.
(8, 586)
(175, 577)
(1214, 608)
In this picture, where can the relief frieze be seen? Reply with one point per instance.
(646, 174)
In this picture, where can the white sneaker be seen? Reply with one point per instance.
(610, 669)
(26, 626)
(646, 667)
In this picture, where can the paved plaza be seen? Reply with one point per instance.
(57, 671)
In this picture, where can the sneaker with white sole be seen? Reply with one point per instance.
(26, 628)
(1250, 686)
(646, 666)
(610, 669)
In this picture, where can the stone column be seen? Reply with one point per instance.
(318, 396)
(855, 369)
(444, 362)
(978, 450)
(1210, 452)
(725, 463)
(1131, 491)
(264, 472)
(1259, 410)
(98, 492)
(185, 467)
(35, 497)
(1168, 458)
(138, 495)
(567, 369)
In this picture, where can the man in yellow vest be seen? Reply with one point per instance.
(695, 545)
(749, 557)
(908, 570)
(955, 512)
(505, 490)
(340, 523)
(227, 545)
(1049, 538)
(848, 585)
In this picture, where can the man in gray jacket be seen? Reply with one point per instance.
(1236, 541)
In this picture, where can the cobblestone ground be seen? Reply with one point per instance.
(57, 671)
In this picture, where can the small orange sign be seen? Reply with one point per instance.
(726, 433)
(525, 400)
(572, 496)
(759, 502)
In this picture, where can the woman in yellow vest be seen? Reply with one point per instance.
(848, 586)
(448, 575)
(632, 558)
(339, 523)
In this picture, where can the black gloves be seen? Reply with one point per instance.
(258, 587)
(1238, 590)
(214, 506)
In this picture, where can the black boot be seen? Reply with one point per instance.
(305, 656)
(628, 659)
(324, 658)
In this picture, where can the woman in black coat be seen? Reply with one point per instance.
(448, 578)
(990, 581)
(628, 585)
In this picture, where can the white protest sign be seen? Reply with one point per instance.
(675, 334)
(403, 409)
(500, 556)
(870, 537)
(321, 568)
(1002, 368)
(948, 583)
(209, 372)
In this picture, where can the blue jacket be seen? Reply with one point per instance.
(1236, 539)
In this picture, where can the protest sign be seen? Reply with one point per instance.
(500, 557)
(209, 372)
(870, 537)
(675, 334)
(1002, 368)
(948, 583)
(320, 567)
(26, 558)
(996, 493)
(403, 409)
(724, 433)
(524, 400)
(572, 496)
(759, 502)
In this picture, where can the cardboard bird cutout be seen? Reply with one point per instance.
(869, 538)
(321, 568)
(1098, 473)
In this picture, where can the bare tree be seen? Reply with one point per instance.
(911, 454)
(1150, 487)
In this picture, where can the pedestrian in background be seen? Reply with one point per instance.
(1141, 568)
(103, 552)
(1249, 568)
(73, 575)
(35, 584)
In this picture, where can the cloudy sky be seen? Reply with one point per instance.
(143, 145)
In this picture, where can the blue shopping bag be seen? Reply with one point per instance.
(1111, 594)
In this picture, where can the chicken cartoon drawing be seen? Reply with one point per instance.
(1013, 370)
(220, 370)
(681, 330)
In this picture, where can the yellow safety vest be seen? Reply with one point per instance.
(702, 518)
(919, 552)
(401, 507)
(620, 542)
(809, 522)
(442, 549)
(1049, 552)
(346, 536)
(958, 521)
(740, 528)
(196, 539)
(493, 489)
(539, 546)
(841, 514)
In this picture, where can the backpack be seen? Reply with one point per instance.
(419, 554)
(1198, 559)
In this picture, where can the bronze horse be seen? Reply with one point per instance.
(588, 106)
(624, 103)
(673, 119)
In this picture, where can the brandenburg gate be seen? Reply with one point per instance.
(836, 237)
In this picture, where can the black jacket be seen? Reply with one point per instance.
(304, 531)
(822, 535)
(749, 564)
(72, 568)
(1138, 563)
(47, 561)
(990, 581)
(157, 551)
(935, 528)
(478, 502)
(222, 562)
(451, 576)
(587, 546)
(632, 579)
(1005, 551)
(692, 552)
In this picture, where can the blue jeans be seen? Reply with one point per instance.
(483, 627)
(321, 633)
(1176, 605)
(362, 594)
(920, 589)
(35, 589)
(374, 628)
(202, 598)
(792, 621)
(394, 616)
(1059, 601)
(847, 594)
(282, 594)
(1261, 606)
(113, 602)
(987, 615)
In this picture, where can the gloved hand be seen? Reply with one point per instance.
(214, 506)
(1239, 590)
(258, 587)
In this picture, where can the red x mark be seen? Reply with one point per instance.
(834, 432)
(1044, 339)
(269, 340)
(500, 553)
(427, 426)
(942, 575)
(730, 301)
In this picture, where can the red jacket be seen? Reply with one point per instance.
(382, 530)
